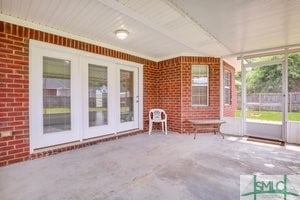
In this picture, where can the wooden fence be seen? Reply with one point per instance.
(271, 101)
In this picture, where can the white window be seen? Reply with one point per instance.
(200, 85)
(227, 87)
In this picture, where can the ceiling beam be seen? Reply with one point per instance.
(265, 52)
(264, 63)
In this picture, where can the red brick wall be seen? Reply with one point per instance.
(13, 94)
(169, 91)
(150, 91)
(229, 110)
(174, 91)
(14, 41)
(212, 111)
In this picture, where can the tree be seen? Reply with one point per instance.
(268, 79)
(294, 73)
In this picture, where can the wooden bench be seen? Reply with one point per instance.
(215, 124)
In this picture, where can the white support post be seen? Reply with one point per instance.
(285, 95)
(244, 97)
(221, 89)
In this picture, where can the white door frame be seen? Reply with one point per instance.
(39, 49)
(290, 129)
(89, 132)
(123, 126)
(37, 138)
(283, 125)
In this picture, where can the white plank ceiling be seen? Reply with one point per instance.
(161, 29)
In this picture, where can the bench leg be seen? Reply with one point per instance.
(219, 126)
(216, 130)
(195, 132)
(221, 134)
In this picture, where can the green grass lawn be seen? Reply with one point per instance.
(269, 115)
(50, 111)
(67, 110)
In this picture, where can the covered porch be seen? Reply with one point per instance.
(173, 166)
(79, 74)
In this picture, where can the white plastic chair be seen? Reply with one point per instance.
(158, 116)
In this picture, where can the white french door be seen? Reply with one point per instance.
(98, 95)
(54, 82)
(76, 96)
(127, 98)
(110, 97)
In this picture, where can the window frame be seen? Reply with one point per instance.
(200, 85)
(227, 101)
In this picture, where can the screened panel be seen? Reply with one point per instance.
(264, 94)
(294, 89)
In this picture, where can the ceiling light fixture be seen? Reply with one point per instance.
(121, 34)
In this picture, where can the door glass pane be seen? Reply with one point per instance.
(126, 96)
(56, 95)
(97, 95)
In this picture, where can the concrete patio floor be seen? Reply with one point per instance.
(172, 166)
